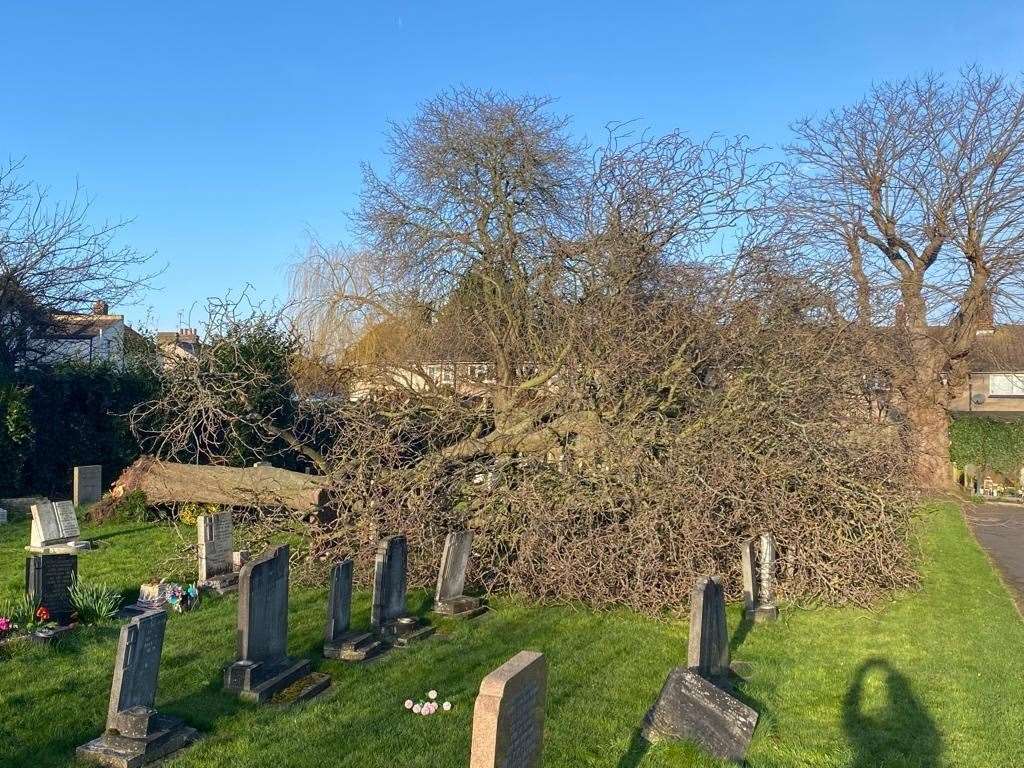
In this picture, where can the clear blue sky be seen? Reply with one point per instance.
(226, 129)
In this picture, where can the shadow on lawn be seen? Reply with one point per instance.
(638, 747)
(902, 732)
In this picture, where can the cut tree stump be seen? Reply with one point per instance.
(167, 482)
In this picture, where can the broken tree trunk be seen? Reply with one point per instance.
(166, 482)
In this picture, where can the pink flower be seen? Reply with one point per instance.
(5, 624)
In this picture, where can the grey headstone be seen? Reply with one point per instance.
(691, 708)
(708, 648)
(88, 484)
(339, 602)
(389, 581)
(508, 717)
(137, 665)
(67, 519)
(45, 526)
(48, 580)
(749, 561)
(451, 579)
(3, 516)
(216, 544)
(263, 607)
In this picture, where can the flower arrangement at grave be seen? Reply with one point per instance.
(182, 598)
(7, 626)
(427, 706)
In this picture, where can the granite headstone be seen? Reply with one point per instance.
(215, 534)
(708, 648)
(88, 484)
(48, 580)
(508, 717)
(388, 613)
(136, 733)
(451, 579)
(339, 641)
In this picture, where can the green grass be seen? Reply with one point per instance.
(935, 678)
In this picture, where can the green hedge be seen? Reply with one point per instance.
(75, 415)
(994, 445)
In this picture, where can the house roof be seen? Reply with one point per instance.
(73, 325)
(1000, 350)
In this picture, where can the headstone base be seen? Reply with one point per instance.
(254, 681)
(405, 631)
(221, 584)
(48, 635)
(460, 607)
(354, 646)
(65, 548)
(763, 614)
(303, 689)
(691, 708)
(163, 735)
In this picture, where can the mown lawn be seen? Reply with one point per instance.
(935, 678)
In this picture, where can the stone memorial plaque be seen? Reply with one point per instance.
(48, 581)
(45, 526)
(508, 717)
(708, 647)
(389, 583)
(339, 602)
(216, 544)
(67, 520)
(88, 484)
(691, 708)
(137, 665)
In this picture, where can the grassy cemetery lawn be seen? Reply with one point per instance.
(935, 678)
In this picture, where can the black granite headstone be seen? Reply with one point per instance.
(48, 581)
(388, 614)
(339, 602)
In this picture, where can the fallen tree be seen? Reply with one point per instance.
(168, 482)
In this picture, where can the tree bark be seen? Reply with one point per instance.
(928, 421)
(166, 482)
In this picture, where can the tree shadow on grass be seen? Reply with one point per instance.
(115, 534)
(903, 733)
(638, 747)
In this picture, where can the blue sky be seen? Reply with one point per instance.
(226, 130)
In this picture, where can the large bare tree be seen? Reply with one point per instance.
(52, 260)
(912, 199)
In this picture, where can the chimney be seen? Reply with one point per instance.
(101, 308)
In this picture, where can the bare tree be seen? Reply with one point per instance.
(53, 261)
(912, 200)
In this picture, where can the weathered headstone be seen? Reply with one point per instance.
(766, 610)
(451, 579)
(136, 733)
(339, 641)
(215, 533)
(55, 529)
(508, 717)
(691, 708)
(263, 667)
(3, 516)
(88, 484)
(48, 580)
(708, 648)
(388, 614)
(748, 556)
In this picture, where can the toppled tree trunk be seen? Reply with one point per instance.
(166, 482)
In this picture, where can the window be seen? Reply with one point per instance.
(1006, 385)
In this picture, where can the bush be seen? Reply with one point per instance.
(190, 512)
(994, 445)
(15, 436)
(94, 602)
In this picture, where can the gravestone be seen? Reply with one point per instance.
(451, 579)
(3, 516)
(765, 609)
(215, 534)
(136, 733)
(388, 614)
(48, 580)
(88, 484)
(55, 529)
(691, 708)
(263, 668)
(339, 641)
(508, 717)
(748, 556)
(708, 648)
